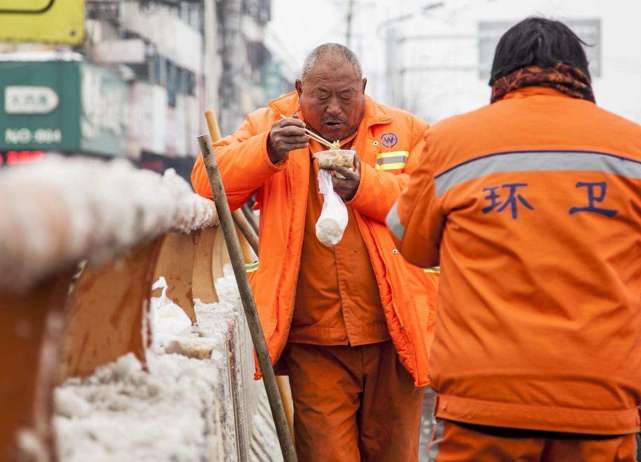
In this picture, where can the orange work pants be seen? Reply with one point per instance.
(453, 442)
(353, 404)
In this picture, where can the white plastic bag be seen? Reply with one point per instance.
(333, 218)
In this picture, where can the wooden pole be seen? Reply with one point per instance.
(247, 230)
(285, 390)
(249, 305)
(239, 217)
(251, 218)
(212, 125)
(252, 239)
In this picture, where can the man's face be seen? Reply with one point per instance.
(332, 98)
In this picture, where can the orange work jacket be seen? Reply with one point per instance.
(532, 206)
(389, 143)
(332, 307)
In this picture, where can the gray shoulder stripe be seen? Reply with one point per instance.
(537, 162)
(394, 223)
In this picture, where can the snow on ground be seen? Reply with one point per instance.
(181, 410)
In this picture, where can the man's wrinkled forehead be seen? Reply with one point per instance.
(330, 68)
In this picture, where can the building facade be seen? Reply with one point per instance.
(139, 83)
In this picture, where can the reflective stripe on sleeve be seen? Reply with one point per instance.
(395, 160)
(394, 223)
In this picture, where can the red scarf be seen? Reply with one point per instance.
(570, 80)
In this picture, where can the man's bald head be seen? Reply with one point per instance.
(334, 52)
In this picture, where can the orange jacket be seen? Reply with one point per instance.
(389, 143)
(331, 306)
(532, 205)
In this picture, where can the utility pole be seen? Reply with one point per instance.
(349, 20)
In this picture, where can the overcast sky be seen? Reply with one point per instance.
(298, 26)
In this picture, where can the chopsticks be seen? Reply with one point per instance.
(321, 140)
(318, 138)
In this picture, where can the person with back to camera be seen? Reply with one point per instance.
(532, 207)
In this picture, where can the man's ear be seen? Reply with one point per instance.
(364, 84)
(299, 87)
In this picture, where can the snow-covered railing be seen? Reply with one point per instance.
(60, 211)
(81, 243)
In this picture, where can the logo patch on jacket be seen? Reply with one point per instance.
(389, 139)
(394, 160)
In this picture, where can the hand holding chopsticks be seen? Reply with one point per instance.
(286, 135)
(290, 134)
(320, 139)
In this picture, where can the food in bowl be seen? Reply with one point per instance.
(335, 158)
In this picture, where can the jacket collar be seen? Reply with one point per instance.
(286, 104)
(374, 114)
(534, 91)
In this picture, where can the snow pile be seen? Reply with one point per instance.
(68, 209)
(182, 409)
(191, 211)
(240, 373)
(218, 319)
(168, 321)
(123, 413)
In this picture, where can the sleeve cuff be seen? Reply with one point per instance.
(366, 172)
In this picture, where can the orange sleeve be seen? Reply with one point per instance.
(243, 162)
(378, 191)
(416, 220)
